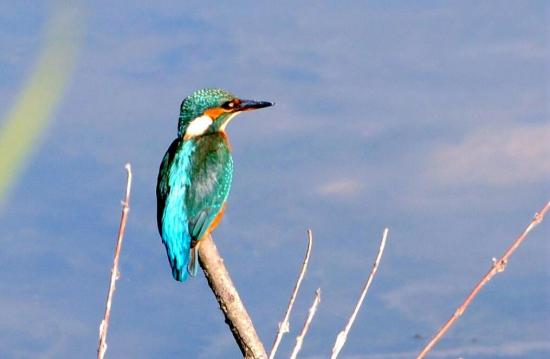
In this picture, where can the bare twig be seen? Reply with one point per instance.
(115, 274)
(497, 267)
(230, 303)
(342, 336)
(284, 326)
(311, 314)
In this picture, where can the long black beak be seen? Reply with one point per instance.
(247, 105)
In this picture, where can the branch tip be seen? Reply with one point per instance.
(115, 273)
(342, 336)
(497, 266)
(285, 324)
(307, 323)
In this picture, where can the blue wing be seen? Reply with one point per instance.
(173, 182)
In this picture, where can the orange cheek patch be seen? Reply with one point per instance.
(213, 113)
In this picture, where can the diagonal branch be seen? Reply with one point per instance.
(284, 326)
(311, 314)
(342, 336)
(115, 274)
(497, 267)
(229, 300)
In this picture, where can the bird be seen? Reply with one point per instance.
(195, 175)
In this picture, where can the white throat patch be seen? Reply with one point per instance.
(222, 127)
(197, 127)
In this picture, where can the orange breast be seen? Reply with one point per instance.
(216, 220)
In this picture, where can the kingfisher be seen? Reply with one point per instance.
(195, 175)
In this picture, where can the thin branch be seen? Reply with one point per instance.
(311, 314)
(115, 274)
(230, 303)
(342, 336)
(497, 267)
(284, 326)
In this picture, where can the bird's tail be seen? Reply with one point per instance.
(193, 266)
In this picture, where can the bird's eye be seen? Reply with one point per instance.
(228, 105)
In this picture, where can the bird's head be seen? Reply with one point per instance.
(210, 110)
